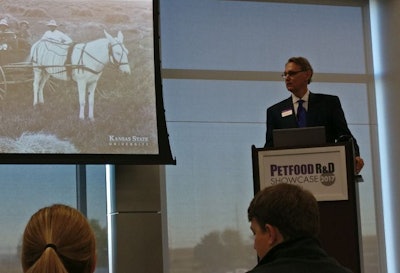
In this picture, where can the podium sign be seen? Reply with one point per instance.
(328, 172)
(321, 170)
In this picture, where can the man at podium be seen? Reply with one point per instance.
(307, 109)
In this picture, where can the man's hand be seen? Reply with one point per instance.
(359, 164)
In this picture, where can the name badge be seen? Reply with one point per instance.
(287, 112)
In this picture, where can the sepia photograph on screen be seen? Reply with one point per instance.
(77, 77)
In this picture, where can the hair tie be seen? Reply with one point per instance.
(53, 246)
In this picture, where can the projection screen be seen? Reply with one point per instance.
(80, 83)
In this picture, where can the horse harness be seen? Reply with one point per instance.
(80, 66)
(114, 61)
(112, 58)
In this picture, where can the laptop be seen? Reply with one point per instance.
(297, 137)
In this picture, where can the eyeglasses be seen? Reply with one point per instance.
(290, 74)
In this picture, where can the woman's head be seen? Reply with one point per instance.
(58, 239)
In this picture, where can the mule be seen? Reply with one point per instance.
(82, 62)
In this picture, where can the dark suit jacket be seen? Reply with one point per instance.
(323, 110)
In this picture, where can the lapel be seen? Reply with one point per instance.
(313, 110)
(290, 120)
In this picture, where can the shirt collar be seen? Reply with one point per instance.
(305, 97)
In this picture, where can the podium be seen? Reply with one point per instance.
(328, 172)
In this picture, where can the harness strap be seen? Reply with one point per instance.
(80, 62)
(68, 60)
(81, 66)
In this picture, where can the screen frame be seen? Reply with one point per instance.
(164, 156)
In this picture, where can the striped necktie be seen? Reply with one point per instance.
(301, 114)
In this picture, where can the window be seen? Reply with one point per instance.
(222, 62)
(27, 188)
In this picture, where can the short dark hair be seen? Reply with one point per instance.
(290, 208)
(303, 63)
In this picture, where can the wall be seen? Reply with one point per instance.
(136, 218)
(386, 45)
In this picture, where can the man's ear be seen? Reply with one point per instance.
(275, 236)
